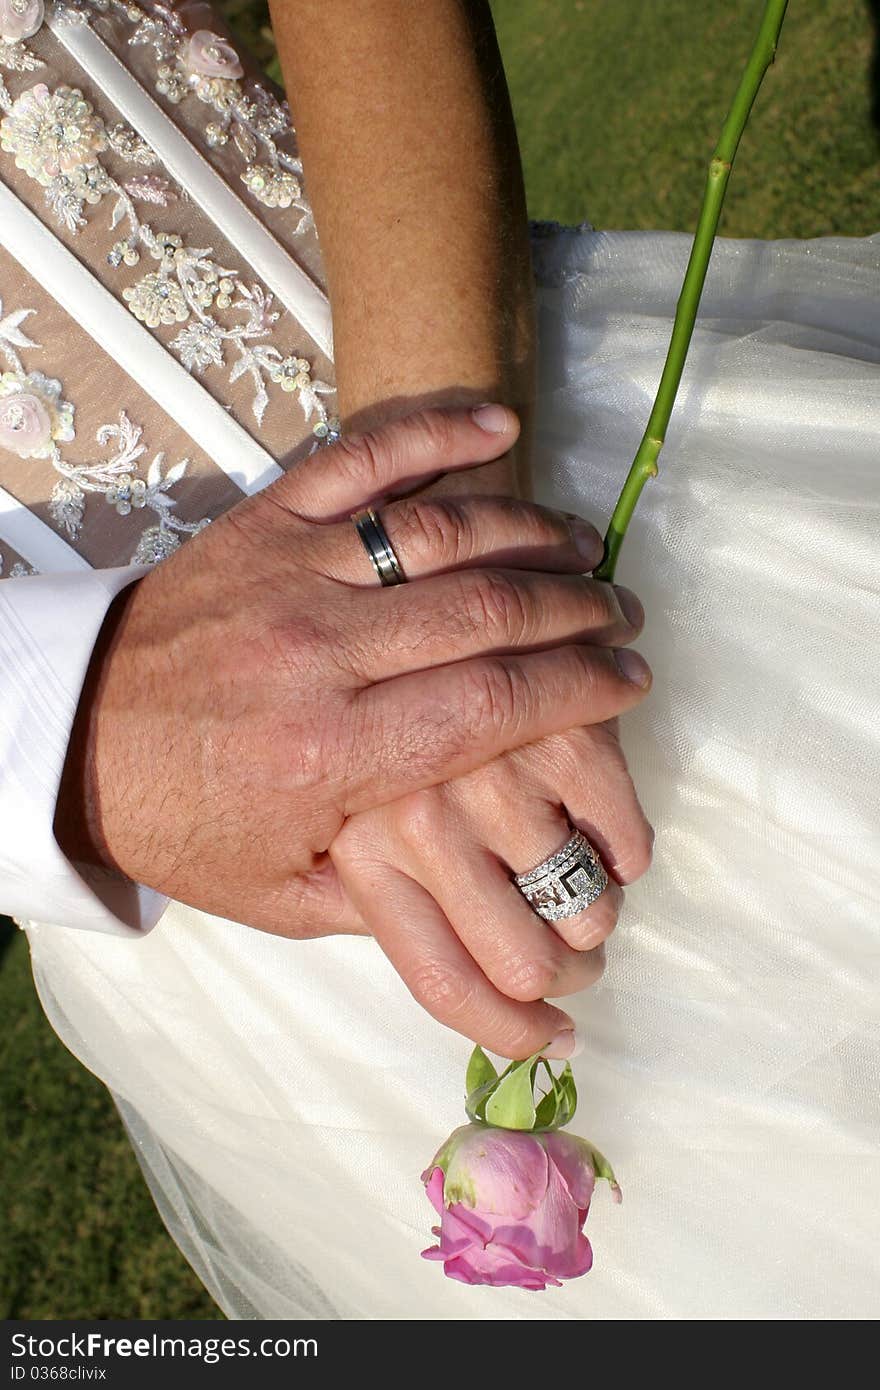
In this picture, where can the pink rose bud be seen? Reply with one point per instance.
(211, 56)
(512, 1205)
(20, 19)
(25, 426)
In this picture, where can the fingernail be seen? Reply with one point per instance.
(564, 1046)
(587, 541)
(630, 606)
(634, 667)
(494, 419)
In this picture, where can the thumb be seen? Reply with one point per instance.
(394, 459)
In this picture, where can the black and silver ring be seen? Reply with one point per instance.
(378, 547)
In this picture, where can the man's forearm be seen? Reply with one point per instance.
(413, 172)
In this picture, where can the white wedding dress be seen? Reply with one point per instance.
(284, 1097)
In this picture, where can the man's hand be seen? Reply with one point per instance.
(260, 686)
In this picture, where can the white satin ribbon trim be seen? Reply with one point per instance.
(34, 541)
(271, 262)
(139, 354)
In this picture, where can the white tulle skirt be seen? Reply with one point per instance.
(283, 1097)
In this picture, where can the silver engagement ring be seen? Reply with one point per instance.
(566, 883)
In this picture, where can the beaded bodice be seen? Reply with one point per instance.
(165, 338)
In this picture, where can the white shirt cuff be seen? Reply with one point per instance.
(48, 628)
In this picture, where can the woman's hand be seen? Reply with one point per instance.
(260, 687)
(432, 877)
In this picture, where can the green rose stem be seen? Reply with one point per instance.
(645, 462)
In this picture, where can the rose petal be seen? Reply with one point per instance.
(573, 1158)
(25, 424)
(458, 1269)
(498, 1267)
(460, 1224)
(21, 23)
(434, 1190)
(212, 56)
(551, 1239)
(499, 1247)
(501, 1172)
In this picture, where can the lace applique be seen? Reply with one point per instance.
(35, 420)
(19, 20)
(56, 138)
(243, 113)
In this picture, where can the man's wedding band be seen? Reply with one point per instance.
(566, 883)
(378, 547)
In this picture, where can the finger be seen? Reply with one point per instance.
(515, 948)
(432, 535)
(416, 937)
(585, 769)
(359, 469)
(483, 612)
(433, 725)
(524, 841)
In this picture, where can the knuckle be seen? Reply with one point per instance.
(597, 924)
(494, 699)
(527, 979)
(416, 819)
(364, 459)
(443, 530)
(435, 432)
(497, 606)
(442, 989)
(353, 844)
(491, 788)
(297, 648)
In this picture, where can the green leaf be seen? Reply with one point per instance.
(602, 1168)
(511, 1105)
(548, 1106)
(481, 1080)
(556, 1109)
(567, 1086)
(480, 1071)
(475, 1105)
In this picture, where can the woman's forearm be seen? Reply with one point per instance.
(413, 172)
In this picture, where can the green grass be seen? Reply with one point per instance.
(79, 1236)
(618, 103)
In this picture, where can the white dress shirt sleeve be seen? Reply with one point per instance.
(48, 628)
